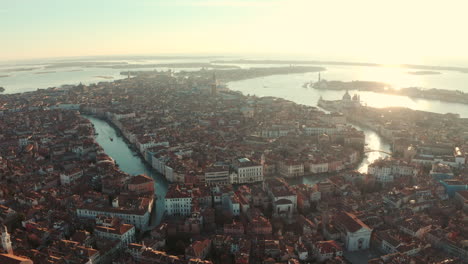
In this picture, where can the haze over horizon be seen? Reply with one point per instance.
(363, 30)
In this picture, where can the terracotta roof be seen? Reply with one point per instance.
(350, 222)
(326, 247)
(139, 179)
(197, 247)
(463, 194)
(119, 230)
(12, 259)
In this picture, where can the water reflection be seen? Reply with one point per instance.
(290, 87)
(374, 142)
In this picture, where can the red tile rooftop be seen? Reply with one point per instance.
(350, 221)
(175, 191)
(327, 247)
(120, 229)
(463, 194)
(12, 259)
(139, 179)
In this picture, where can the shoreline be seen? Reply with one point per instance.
(442, 95)
(231, 75)
(344, 63)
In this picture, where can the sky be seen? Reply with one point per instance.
(397, 31)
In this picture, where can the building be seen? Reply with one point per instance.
(290, 169)
(318, 166)
(141, 184)
(130, 209)
(70, 176)
(355, 234)
(143, 254)
(198, 249)
(12, 259)
(324, 250)
(232, 204)
(247, 171)
(178, 201)
(259, 226)
(462, 199)
(234, 228)
(441, 171)
(214, 86)
(452, 186)
(217, 175)
(5, 240)
(386, 170)
(284, 198)
(114, 230)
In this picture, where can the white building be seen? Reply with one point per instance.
(322, 129)
(324, 250)
(124, 233)
(460, 159)
(290, 169)
(217, 175)
(284, 199)
(232, 204)
(119, 116)
(135, 211)
(70, 176)
(178, 201)
(5, 240)
(23, 141)
(158, 162)
(386, 170)
(355, 234)
(247, 171)
(318, 167)
(275, 132)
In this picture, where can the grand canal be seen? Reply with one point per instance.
(118, 149)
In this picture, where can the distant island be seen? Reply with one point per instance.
(21, 69)
(174, 65)
(4, 76)
(352, 85)
(2, 89)
(126, 65)
(104, 77)
(88, 64)
(229, 75)
(444, 95)
(44, 72)
(424, 72)
(343, 63)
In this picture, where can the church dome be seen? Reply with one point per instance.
(346, 96)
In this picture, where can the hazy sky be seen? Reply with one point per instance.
(412, 31)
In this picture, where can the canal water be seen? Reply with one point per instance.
(128, 162)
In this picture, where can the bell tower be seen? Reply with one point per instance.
(214, 86)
